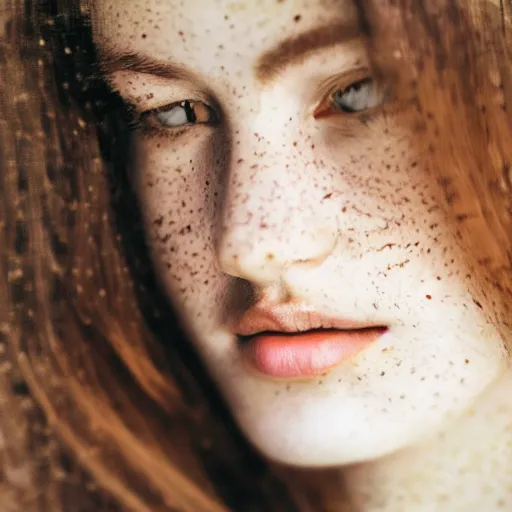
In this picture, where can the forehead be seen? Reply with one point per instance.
(201, 31)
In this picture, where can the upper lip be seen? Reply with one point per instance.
(290, 318)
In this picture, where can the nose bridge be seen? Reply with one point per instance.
(271, 217)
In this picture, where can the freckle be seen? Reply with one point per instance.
(270, 256)
(297, 18)
(466, 361)
(382, 374)
(478, 304)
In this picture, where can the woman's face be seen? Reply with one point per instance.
(279, 196)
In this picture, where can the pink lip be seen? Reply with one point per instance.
(294, 341)
(306, 354)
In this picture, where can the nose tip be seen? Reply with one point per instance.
(262, 257)
(245, 261)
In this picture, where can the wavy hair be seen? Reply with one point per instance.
(103, 405)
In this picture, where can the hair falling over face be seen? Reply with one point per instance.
(103, 405)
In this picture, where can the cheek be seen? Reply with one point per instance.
(178, 192)
(387, 197)
(378, 165)
(392, 220)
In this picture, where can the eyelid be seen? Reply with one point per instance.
(164, 108)
(339, 81)
(146, 91)
(147, 115)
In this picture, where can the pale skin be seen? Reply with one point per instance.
(258, 197)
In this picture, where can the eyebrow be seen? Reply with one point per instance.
(112, 61)
(296, 49)
(291, 51)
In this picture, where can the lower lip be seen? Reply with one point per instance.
(308, 354)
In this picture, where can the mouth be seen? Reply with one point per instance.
(307, 354)
(295, 342)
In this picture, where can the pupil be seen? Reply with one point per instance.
(189, 111)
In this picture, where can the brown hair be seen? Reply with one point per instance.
(107, 405)
(84, 341)
(451, 63)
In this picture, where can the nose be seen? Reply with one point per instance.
(273, 216)
(262, 255)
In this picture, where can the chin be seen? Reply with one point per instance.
(311, 451)
(317, 442)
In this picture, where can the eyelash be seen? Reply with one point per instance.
(351, 84)
(143, 123)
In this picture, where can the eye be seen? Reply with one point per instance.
(182, 114)
(358, 97)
